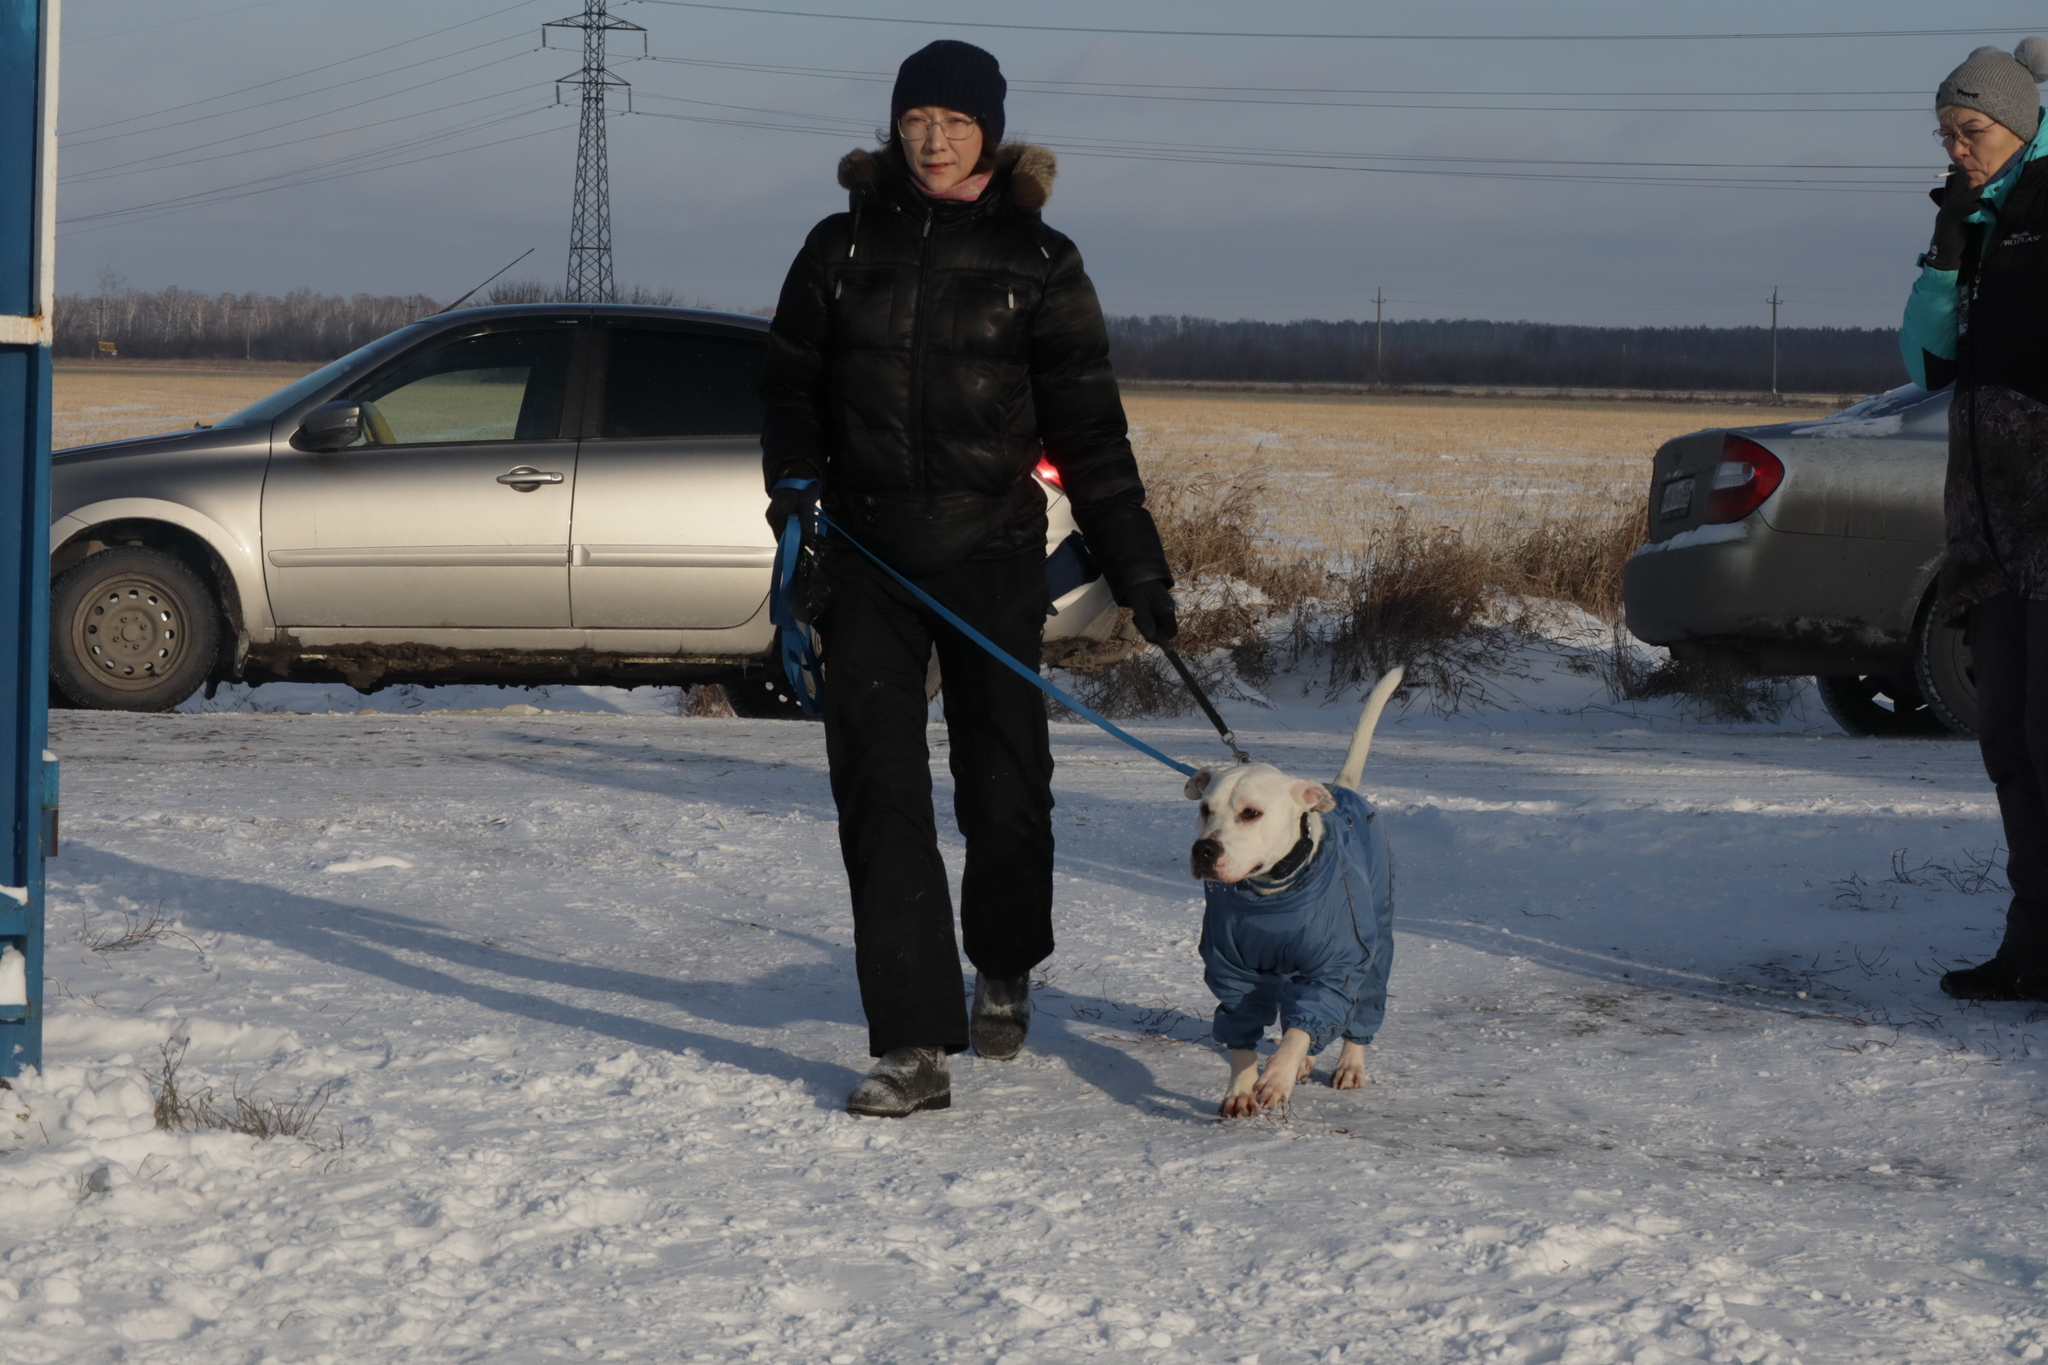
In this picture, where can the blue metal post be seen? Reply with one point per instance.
(28, 776)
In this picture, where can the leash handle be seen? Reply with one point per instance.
(1202, 700)
(1029, 675)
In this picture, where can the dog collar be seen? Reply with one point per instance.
(1296, 856)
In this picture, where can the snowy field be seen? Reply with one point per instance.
(1666, 1076)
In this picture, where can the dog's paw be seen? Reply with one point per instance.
(1239, 1105)
(1308, 1069)
(1350, 1070)
(1273, 1091)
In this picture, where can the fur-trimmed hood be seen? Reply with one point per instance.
(1027, 168)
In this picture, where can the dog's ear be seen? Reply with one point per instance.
(1314, 796)
(1198, 784)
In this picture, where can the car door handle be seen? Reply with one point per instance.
(526, 478)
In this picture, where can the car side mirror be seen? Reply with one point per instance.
(330, 427)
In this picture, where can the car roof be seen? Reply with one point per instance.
(647, 311)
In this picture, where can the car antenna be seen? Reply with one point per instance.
(466, 297)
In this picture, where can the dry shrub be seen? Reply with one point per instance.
(1577, 558)
(179, 1112)
(1426, 599)
(706, 701)
(1718, 688)
(1231, 579)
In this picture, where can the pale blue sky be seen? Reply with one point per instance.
(1179, 209)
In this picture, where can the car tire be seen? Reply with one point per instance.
(131, 629)
(1879, 706)
(1947, 678)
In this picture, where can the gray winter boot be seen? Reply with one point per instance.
(906, 1080)
(1002, 1016)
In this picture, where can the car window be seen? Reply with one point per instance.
(665, 383)
(500, 386)
(266, 410)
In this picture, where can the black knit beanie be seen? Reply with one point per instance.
(952, 75)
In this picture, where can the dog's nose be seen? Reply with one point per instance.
(1202, 858)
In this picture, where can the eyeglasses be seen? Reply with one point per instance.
(916, 127)
(1946, 136)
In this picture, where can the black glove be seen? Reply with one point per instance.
(1958, 200)
(1152, 612)
(785, 503)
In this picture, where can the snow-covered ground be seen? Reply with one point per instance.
(1666, 1076)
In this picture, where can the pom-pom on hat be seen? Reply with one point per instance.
(2000, 84)
(958, 76)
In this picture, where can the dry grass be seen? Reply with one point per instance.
(1336, 465)
(180, 1112)
(136, 931)
(107, 400)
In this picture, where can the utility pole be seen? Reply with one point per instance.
(590, 217)
(1774, 340)
(1379, 344)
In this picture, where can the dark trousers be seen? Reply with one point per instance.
(2009, 652)
(877, 642)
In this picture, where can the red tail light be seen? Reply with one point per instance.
(1747, 475)
(1049, 474)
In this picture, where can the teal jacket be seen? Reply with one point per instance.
(1929, 329)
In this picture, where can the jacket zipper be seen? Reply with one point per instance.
(917, 344)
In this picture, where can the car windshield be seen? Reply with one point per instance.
(266, 410)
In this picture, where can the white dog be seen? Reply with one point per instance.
(1299, 916)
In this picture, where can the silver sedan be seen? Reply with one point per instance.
(1811, 547)
(533, 494)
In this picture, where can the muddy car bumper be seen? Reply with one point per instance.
(1771, 599)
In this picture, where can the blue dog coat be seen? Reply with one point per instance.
(1318, 950)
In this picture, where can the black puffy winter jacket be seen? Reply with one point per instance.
(926, 352)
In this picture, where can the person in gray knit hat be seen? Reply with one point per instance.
(1978, 319)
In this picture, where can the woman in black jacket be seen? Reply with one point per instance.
(930, 344)
(1976, 319)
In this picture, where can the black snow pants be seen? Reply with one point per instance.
(2009, 648)
(877, 642)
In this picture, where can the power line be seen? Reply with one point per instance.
(1352, 37)
(1077, 142)
(71, 42)
(241, 190)
(310, 71)
(1066, 88)
(121, 170)
(1019, 81)
(1254, 157)
(318, 90)
(312, 180)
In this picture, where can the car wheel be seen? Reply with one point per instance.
(1947, 678)
(1878, 705)
(131, 629)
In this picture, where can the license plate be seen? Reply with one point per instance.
(1677, 499)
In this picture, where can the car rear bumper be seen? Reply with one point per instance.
(1773, 599)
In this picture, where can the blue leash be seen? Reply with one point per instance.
(798, 653)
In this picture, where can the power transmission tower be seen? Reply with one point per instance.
(590, 218)
(1773, 301)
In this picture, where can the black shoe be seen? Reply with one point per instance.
(1002, 1016)
(906, 1080)
(2001, 978)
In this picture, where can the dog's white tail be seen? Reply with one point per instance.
(1361, 739)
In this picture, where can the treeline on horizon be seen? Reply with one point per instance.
(1836, 360)
(182, 324)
